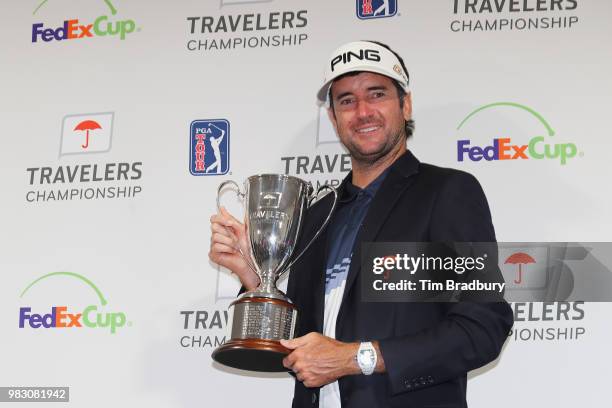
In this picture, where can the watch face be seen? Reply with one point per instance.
(366, 357)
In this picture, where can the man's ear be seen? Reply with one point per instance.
(407, 109)
(332, 118)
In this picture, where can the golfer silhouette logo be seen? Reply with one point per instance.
(209, 147)
(214, 144)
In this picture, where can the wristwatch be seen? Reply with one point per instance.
(366, 358)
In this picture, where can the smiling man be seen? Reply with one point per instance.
(351, 353)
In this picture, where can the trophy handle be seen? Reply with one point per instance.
(321, 228)
(241, 195)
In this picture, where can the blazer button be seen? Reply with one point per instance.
(407, 384)
(430, 379)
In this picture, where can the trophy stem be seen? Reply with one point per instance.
(267, 288)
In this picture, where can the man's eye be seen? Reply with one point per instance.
(346, 101)
(378, 94)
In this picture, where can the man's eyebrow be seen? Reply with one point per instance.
(378, 88)
(343, 94)
(371, 88)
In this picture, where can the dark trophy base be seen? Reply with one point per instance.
(258, 325)
(252, 354)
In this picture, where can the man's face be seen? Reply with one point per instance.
(368, 117)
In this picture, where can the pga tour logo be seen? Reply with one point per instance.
(209, 147)
(367, 9)
(86, 133)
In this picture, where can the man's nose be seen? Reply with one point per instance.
(363, 108)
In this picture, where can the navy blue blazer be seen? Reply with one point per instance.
(428, 348)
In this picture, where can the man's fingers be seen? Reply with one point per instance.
(220, 224)
(286, 363)
(218, 238)
(290, 360)
(226, 214)
(219, 248)
(294, 343)
(221, 229)
(223, 211)
(218, 219)
(226, 220)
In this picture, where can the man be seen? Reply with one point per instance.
(351, 353)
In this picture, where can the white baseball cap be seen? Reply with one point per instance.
(362, 56)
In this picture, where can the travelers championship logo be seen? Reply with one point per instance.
(209, 147)
(243, 28)
(93, 315)
(75, 28)
(513, 15)
(538, 277)
(88, 134)
(367, 9)
(532, 139)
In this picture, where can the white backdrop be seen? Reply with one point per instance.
(143, 245)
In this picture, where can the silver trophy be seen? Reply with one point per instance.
(275, 206)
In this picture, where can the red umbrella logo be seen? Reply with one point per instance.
(519, 258)
(87, 125)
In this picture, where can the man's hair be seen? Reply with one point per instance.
(409, 124)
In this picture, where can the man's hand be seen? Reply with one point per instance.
(318, 360)
(229, 234)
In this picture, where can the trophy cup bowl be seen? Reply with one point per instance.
(275, 206)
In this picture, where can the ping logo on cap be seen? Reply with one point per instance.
(347, 57)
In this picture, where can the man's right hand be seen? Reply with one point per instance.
(229, 234)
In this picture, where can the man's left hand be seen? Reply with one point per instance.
(318, 360)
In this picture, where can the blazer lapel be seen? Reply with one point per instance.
(396, 182)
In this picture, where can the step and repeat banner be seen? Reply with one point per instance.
(119, 119)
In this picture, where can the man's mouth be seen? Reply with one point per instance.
(368, 129)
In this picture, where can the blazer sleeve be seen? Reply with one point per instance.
(471, 334)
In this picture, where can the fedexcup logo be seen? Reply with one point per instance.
(94, 316)
(72, 29)
(542, 145)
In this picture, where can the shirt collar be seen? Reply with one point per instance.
(351, 191)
